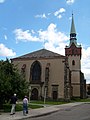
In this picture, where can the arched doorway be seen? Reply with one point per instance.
(34, 94)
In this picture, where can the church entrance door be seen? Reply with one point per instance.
(34, 94)
(55, 95)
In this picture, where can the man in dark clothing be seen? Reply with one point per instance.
(13, 102)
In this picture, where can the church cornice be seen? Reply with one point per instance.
(40, 54)
(35, 58)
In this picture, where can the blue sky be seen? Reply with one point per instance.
(30, 25)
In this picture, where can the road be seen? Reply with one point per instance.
(81, 112)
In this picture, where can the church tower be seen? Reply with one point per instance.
(73, 52)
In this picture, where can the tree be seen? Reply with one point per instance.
(11, 81)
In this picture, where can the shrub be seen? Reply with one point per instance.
(7, 107)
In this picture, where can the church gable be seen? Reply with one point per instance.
(43, 53)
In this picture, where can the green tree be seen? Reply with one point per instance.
(11, 81)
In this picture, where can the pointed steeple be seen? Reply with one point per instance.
(73, 32)
(72, 26)
(73, 49)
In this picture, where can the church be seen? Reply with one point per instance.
(53, 76)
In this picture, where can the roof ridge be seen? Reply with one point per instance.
(42, 53)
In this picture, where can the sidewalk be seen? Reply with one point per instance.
(38, 112)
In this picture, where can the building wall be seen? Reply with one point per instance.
(77, 65)
(75, 74)
(56, 74)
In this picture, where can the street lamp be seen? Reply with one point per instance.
(29, 92)
(45, 94)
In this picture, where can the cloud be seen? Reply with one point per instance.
(41, 16)
(59, 12)
(25, 36)
(5, 37)
(86, 62)
(59, 16)
(5, 52)
(51, 37)
(2, 1)
(69, 2)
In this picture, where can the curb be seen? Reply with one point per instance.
(43, 114)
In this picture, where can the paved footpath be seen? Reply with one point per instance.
(37, 112)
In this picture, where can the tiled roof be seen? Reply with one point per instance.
(43, 53)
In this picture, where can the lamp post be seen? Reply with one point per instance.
(46, 81)
(45, 94)
(29, 92)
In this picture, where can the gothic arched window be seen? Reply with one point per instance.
(73, 62)
(36, 71)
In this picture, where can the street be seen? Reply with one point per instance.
(80, 112)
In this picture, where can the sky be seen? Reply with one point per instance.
(30, 25)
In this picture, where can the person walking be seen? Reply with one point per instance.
(13, 102)
(25, 106)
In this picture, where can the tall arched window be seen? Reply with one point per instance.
(73, 62)
(36, 72)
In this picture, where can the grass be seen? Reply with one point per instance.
(61, 102)
(19, 107)
(39, 104)
(81, 100)
(49, 102)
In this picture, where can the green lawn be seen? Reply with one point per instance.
(60, 102)
(81, 100)
(39, 104)
(19, 107)
(48, 102)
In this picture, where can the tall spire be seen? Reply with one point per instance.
(73, 49)
(73, 32)
(72, 26)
